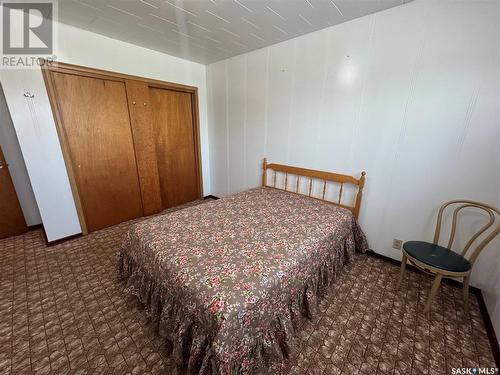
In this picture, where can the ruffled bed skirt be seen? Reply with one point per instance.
(193, 342)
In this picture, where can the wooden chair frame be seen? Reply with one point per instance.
(312, 175)
(439, 273)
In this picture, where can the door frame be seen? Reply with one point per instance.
(60, 67)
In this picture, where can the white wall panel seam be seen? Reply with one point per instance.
(468, 118)
(226, 76)
(266, 109)
(410, 97)
(357, 121)
(292, 95)
(319, 116)
(211, 119)
(245, 117)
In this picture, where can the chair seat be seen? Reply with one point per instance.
(437, 256)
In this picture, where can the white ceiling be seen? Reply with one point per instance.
(206, 31)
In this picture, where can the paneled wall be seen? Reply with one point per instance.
(411, 95)
(35, 127)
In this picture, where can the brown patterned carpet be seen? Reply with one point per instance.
(63, 311)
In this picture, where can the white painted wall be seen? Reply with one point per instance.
(17, 168)
(35, 126)
(411, 95)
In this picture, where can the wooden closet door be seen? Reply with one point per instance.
(176, 150)
(96, 125)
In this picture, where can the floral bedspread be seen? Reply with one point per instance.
(227, 280)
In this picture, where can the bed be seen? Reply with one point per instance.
(227, 281)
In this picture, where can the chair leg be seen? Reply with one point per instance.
(466, 292)
(402, 272)
(434, 290)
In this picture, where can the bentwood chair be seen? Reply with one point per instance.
(441, 261)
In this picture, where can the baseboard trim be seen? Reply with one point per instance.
(411, 267)
(211, 197)
(488, 325)
(495, 347)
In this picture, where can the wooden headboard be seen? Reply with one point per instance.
(311, 175)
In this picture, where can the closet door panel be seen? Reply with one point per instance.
(96, 129)
(175, 146)
(145, 146)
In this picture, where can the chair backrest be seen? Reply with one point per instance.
(491, 212)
